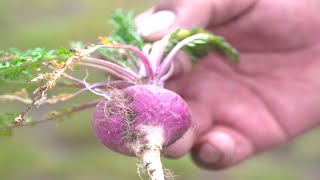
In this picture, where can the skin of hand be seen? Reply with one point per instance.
(264, 101)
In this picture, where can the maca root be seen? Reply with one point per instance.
(151, 162)
(148, 149)
(117, 105)
(141, 121)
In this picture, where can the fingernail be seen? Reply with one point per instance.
(157, 22)
(209, 154)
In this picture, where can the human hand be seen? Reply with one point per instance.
(267, 99)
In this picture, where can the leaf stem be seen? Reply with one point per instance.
(157, 52)
(144, 59)
(168, 74)
(115, 67)
(51, 118)
(70, 85)
(108, 70)
(168, 60)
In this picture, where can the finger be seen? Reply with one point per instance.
(180, 147)
(220, 148)
(169, 15)
(201, 119)
(152, 25)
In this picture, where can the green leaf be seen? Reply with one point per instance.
(200, 47)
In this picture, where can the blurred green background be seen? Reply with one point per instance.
(69, 150)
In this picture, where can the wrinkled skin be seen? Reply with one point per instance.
(267, 99)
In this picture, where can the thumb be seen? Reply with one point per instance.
(169, 15)
(221, 147)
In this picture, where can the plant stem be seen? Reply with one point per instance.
(108, 70)
(11, 97)
(118, 84)
(148, 148)
(156, 53)
(115, 67)
(76, 80)
(62, 114)
(168, 60)
(144, 59)
(168, 74)
(152, 162)
(70, 85)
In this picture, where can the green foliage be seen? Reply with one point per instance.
(15, 64)
(5, 120)
(202, 46)
(17, 67)
(124, 32)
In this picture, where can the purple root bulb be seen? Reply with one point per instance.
(139, 114)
